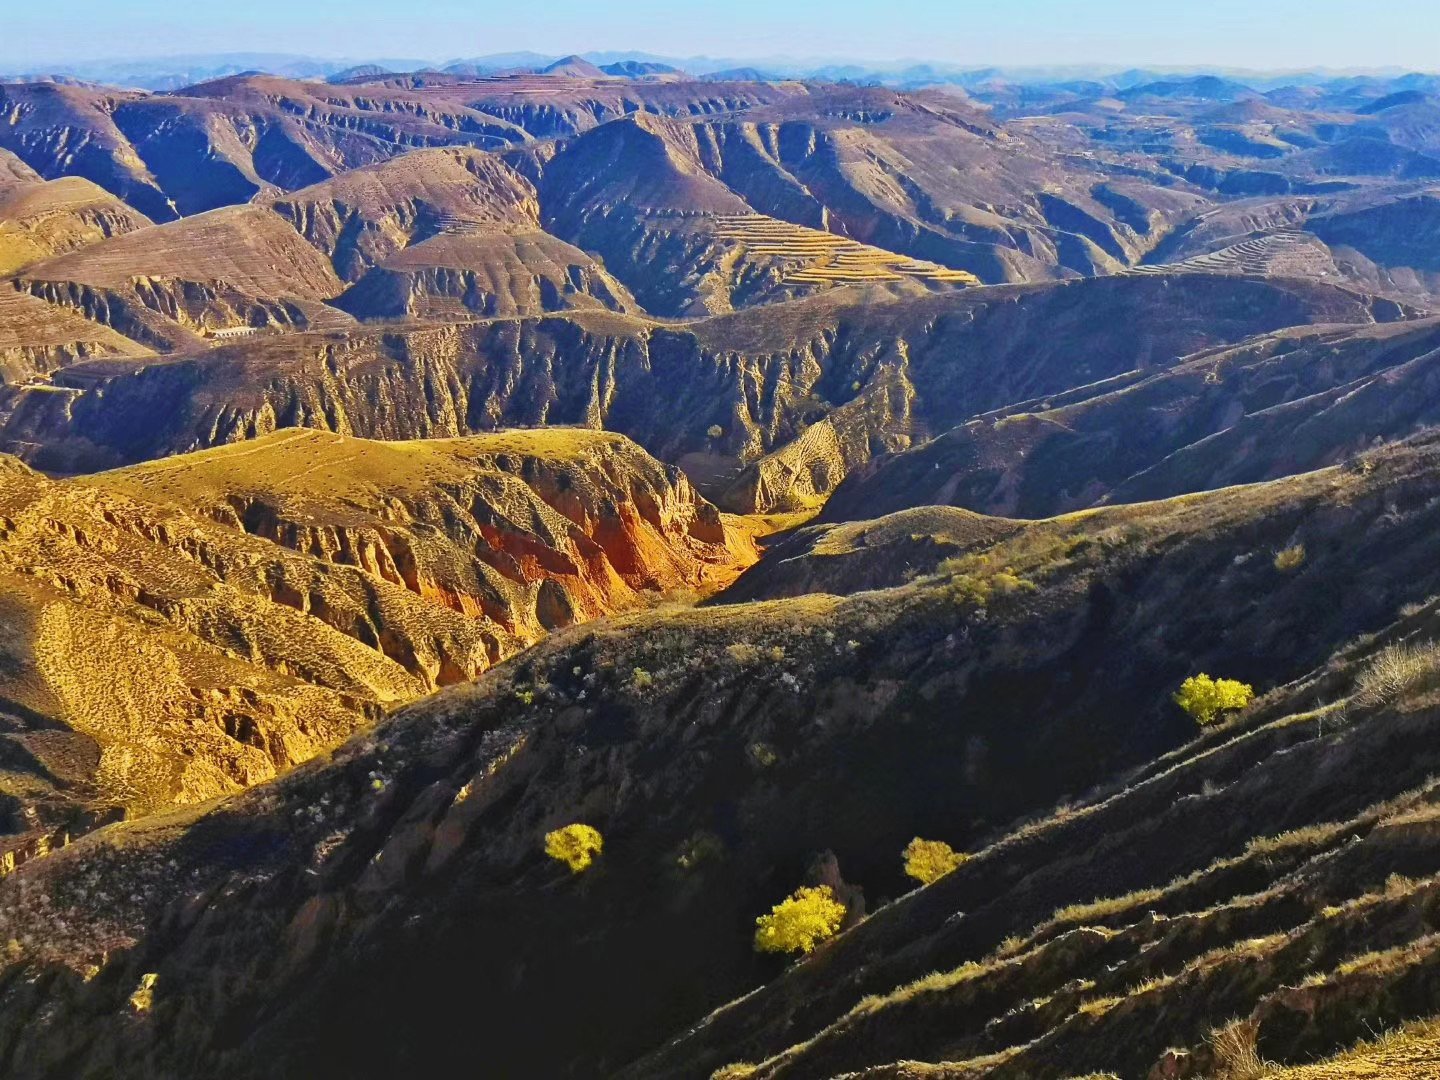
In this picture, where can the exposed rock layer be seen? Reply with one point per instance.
(187, 628)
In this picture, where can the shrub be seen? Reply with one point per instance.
(971, 591)
(1205, 698)
(574, 845)
(700, 847)
(930, 860)
(1396, 669)
(715, 431)
(641, 679)
(800, 921)
(1290, 558)
(1008, 583)
(144, 996)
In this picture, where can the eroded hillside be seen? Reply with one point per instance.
(719, 749)
(1017, 346)
(184, 629)
(1281, 403)
(769, 414)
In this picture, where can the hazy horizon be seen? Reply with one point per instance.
(1284, 35)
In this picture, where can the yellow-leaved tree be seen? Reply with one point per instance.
(800, 921)
(1205, 698)
(930, 860)
(574, 845)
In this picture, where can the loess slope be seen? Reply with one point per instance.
(185, 628)
(1279, 404)
(412, 858)
(772, 412)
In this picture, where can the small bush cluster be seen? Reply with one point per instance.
(800, 921)
(930, 860)
(762, 754)
(974, 584)
(1205, 698)
(574, 845)
(1290, 559)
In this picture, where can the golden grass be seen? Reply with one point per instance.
(1410, 1052)
(1236, 1053)
(306, 462)
(1381, 961)
(1396, 670)
(829, 259)
(1290, 559)
(934, 983)
(1099, 1006)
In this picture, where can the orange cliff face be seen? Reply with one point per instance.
(186, 628)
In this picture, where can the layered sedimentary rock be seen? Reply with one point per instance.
(183, 629)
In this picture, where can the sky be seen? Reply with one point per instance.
(1254, 34)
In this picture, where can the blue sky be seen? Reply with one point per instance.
(1263, 34)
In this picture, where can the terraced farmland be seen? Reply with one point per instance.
(830, 259)
(1288, 253)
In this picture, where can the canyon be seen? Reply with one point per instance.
(399, 470)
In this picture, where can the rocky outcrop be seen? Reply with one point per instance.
(187, 628)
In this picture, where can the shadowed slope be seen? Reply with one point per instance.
(941, 708)
(860, 555)
(1283, 403)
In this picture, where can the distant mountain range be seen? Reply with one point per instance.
(172, 72)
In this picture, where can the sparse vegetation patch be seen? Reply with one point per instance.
(1396, 670)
